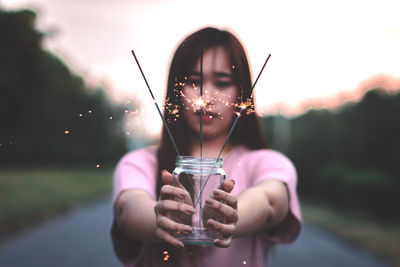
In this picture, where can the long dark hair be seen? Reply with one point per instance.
(247, 131)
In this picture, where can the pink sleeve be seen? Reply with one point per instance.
(136, 170)
(270, 164)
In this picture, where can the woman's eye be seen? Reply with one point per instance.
(223, 84)
(193, 82)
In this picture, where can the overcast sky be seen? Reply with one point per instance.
(319, 48)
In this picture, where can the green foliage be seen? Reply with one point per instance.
(40, 99)
(349, 157)
(32, 194)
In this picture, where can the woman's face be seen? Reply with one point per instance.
(219, 94)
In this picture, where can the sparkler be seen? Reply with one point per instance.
(201, 107)
(242, 106)
(201, 126)
(155, 103)
(159, 111)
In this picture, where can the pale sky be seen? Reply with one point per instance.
(319, 48)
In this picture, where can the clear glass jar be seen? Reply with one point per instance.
(199, 177)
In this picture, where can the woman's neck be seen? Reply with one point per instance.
(211, 147)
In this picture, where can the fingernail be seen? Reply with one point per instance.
(190, 210)
(179, 244)
(217, 193)
(187, 229)
(209, 201)
(211, 223)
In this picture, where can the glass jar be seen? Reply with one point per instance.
(199, 177)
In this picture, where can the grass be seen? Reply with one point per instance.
(29, 195)
(380, 238)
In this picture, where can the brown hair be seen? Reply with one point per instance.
(247, 131)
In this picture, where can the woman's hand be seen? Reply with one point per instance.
(174, 200)
(225, 204)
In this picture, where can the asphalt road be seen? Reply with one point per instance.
(81, 238)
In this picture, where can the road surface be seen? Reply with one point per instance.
(81, 238)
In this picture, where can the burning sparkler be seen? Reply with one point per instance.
(201, 103)
(243, 106)
(158, 109)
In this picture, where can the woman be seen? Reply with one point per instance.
(258, 202)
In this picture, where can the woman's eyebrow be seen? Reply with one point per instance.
(194, 73)
(218, 74)
(223, 74)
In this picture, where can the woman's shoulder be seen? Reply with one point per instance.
(146, 154)
(259, 154)
(263, 159)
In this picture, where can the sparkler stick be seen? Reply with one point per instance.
(155, 103)
(201, 107)
(159, 111)
(201, 129)
(243, 107)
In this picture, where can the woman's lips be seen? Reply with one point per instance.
(208, 116)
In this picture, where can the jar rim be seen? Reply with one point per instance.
(189, 160)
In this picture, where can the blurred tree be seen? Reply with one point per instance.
(350, 156)
(47, 114)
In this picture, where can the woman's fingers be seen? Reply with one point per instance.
(225, 229)
(168, 191)
(171, 205)
(228, 212)
(171, 180)
(229, 199)
(223, 243)
(169, 225)
(228, 185)
(164, 235)
(167, 177)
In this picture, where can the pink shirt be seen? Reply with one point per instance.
(247, 167)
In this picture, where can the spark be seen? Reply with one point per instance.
(97, 165)
(110, 118)
(244, 262)
(247, 105)
(166, 257)
(172, 110)
(66, 132)
(199, 103)
(134, 112)
(10, 143)
(80, 115)
(90, 111)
